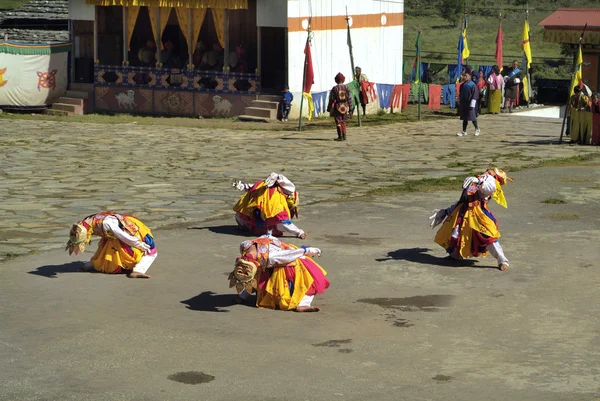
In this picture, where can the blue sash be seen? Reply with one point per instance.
(515, 72)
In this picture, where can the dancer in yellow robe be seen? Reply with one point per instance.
(268, 206)
(284, 276)
(469, 228)
(126, 244)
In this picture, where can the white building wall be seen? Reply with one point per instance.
(79, 10)
(377, 50)
(271, 13)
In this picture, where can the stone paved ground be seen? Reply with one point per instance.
(53, 173)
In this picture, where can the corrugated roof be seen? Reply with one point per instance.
(38, 21)
(573, 17)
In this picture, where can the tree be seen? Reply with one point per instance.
(451, 10)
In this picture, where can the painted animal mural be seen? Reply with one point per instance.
(126, 100)
(221, 107)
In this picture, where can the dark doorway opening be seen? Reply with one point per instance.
(273, 59)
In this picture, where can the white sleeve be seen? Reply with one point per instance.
(473, 103)
(290, 228)
(487, 185)
(282, 258)
(111, 224)
(285, 184)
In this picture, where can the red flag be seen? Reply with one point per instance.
(499, 39)
(309, 79)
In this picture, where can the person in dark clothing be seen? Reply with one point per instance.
(340, 105)
(512, 79)
(468, 97)
(286, 103)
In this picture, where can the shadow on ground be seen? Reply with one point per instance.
(208, 301)
(420, 255)
(306, 139)
(226, 229)
(51, 271)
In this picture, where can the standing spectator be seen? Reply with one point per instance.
(360, 77)
(495, 85)
(146, 54)
(595, 102)
(340, 105)
(469, 94)
(512, 79)
(482, 86)
(286, 103)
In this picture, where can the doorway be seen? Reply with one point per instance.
(273, 59)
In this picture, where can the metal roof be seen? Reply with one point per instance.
(573, 18)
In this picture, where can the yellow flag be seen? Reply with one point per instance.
(525, 45)
(311, 105)
(577, 76)
(465, 53)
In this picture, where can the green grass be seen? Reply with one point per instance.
(10, 4)
(595, 187)
(11, 255)
(561, 216)
(554, 201)
(568, 161)
(557, 162)
(576, 179)
(439, 38)
(325, 122)
(423, 185)
(458, 164)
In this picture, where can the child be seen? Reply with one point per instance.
(286, 103)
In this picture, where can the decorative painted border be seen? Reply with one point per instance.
(190, 79)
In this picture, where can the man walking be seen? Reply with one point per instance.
(469, 95)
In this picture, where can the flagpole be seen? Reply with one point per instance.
(352, 64)
(304, 74)
(527, 66)
(465, 26)
(499, 28)
(568, 108)
(418, 71)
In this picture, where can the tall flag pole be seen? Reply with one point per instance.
(526, 46)
(459, 61)
(576, 79)
(308, 75)
(418, 72)
(349, 42)
(499, 40)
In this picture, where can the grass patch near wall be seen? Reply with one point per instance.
(422, 185)
(561, 216)
(554, 201)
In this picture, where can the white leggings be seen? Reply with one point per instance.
(496, 251)
(145, 263)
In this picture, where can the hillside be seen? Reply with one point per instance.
(439, 38)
